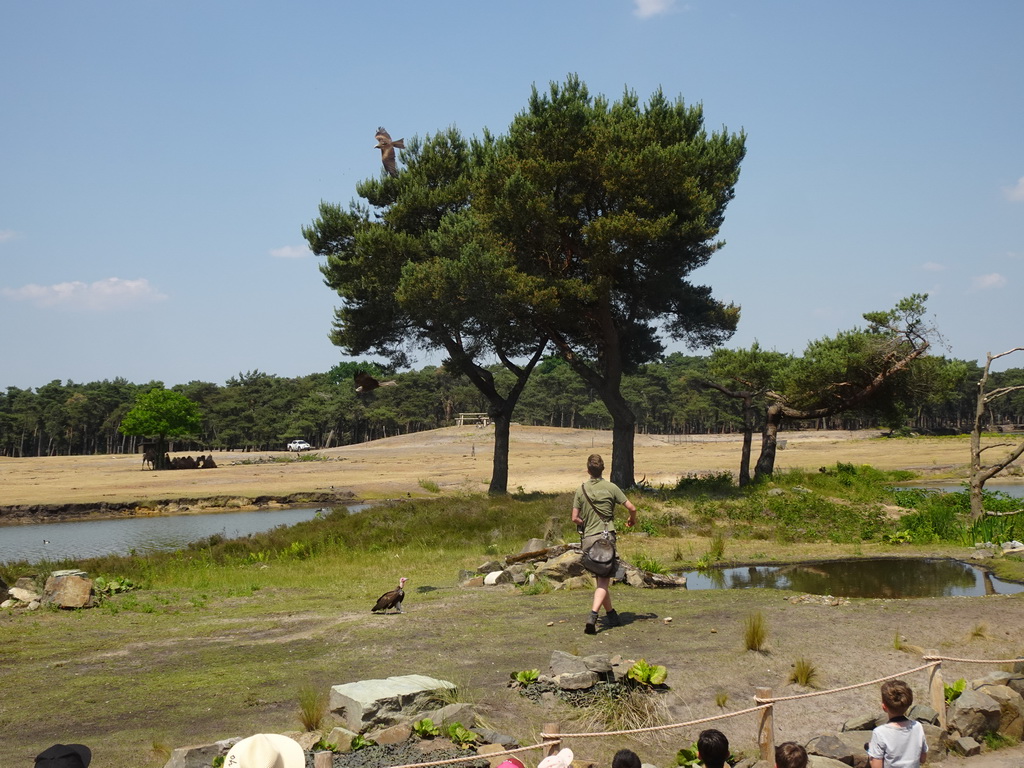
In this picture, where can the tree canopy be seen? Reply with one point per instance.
(605, 210)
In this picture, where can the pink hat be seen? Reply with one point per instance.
(512, 762)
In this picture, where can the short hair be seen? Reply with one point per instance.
(897, 696)
(595, 464)
(626, 758)
(789, 754)
(712, 748)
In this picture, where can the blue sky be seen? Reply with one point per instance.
(159, 159)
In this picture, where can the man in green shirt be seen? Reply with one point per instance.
(593, 512)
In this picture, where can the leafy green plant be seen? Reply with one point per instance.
(218, 761)
(647, 674)
(113, 585)
(461, 736)
(952, 692)
(687, 756)
(361, 742)
(645, 562)
(755, 632)
(527, 676)
(425, 728)
(803, 673)
(325, 746)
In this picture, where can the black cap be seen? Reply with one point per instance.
(64, 756)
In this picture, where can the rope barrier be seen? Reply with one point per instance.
(848, 687)
(973, 661)
(651, 728)
(469, 758)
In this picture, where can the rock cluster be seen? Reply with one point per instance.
(382, 711)
(62, 589)
(561, 565)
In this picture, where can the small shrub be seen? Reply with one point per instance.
(325, 746)
(755, 632)
(360, 742)
(461, 736)
(804, 673)
(645, 562)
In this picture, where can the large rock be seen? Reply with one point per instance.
(498, 577)
(844, 746)
(199, 755)
(342, 737)
(370, 704)
(864, 721)
(25, 590)
(564, 566)
(68, 589)
(1014, 680)
(1011, 709)
(563, 663)
(974, 714)
(450, 714)
(820, 761)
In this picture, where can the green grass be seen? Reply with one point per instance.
(429, 485)
(755, 632)
(803, 672)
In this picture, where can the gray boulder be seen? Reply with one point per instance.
(342, 737)
(864, 721)
(576, 681)
(490, 566)
(370, 704)
(974, 714)
(965, 746)
(923, 714)
(566, 565)
(451, 713)
(844, 746)
(498, 577)
(25, 590)
(1011, 709)
(1013, 680)
(562, 663)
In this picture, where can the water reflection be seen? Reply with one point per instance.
(92, 538)
(890, 578)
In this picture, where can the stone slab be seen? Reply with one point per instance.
(380, 703)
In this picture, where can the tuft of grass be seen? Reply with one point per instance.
(898, 641)
(621, 709)
(717, 550)
(429, 485)
(645, 562)
(312, 706)
(995, 740)
(721, 699)
(540, 586)
(803, 673)
(755, 632)
(979, 632)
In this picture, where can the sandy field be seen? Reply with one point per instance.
(457, 459)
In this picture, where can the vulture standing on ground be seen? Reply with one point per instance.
(387, 150)
(366, 383)
(392, 599)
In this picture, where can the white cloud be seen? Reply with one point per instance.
(102, 295)
(7, 234)
(984, 282)
(1015, 193)
(291, 252)
(931, 266)
(645, 9)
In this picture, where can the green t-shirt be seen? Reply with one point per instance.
(605, 495)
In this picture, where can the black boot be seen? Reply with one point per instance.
(611, 619)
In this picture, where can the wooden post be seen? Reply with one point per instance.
(323, 759)
(555, 748)
(766, 726)
(936, 690)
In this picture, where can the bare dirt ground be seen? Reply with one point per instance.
(458, 459)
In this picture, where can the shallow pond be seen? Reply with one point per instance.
(121, 535)
(881, 577)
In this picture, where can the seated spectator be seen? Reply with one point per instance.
(712, 748)
(789, 754)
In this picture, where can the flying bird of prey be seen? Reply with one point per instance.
(387, 150)
(366, 383)
(392, 599)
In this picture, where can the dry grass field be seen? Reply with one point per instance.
(457, 459)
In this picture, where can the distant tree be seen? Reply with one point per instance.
(982, 473)
(854, 369)
(162, 413)
(606, 209)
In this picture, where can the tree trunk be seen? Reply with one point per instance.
(769, 441)
(748, 439)
(502, 419)
(623, 437)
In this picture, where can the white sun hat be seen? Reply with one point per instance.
(562, 760)
(266, 750)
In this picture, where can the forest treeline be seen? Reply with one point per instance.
(259, 411)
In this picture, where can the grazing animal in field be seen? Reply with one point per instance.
(149, 457)
(366, 383)
(392, 599)
(387, 150)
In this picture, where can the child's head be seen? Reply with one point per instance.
(626, 758)
(789, 754)
(712, 748)
(896, 697)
